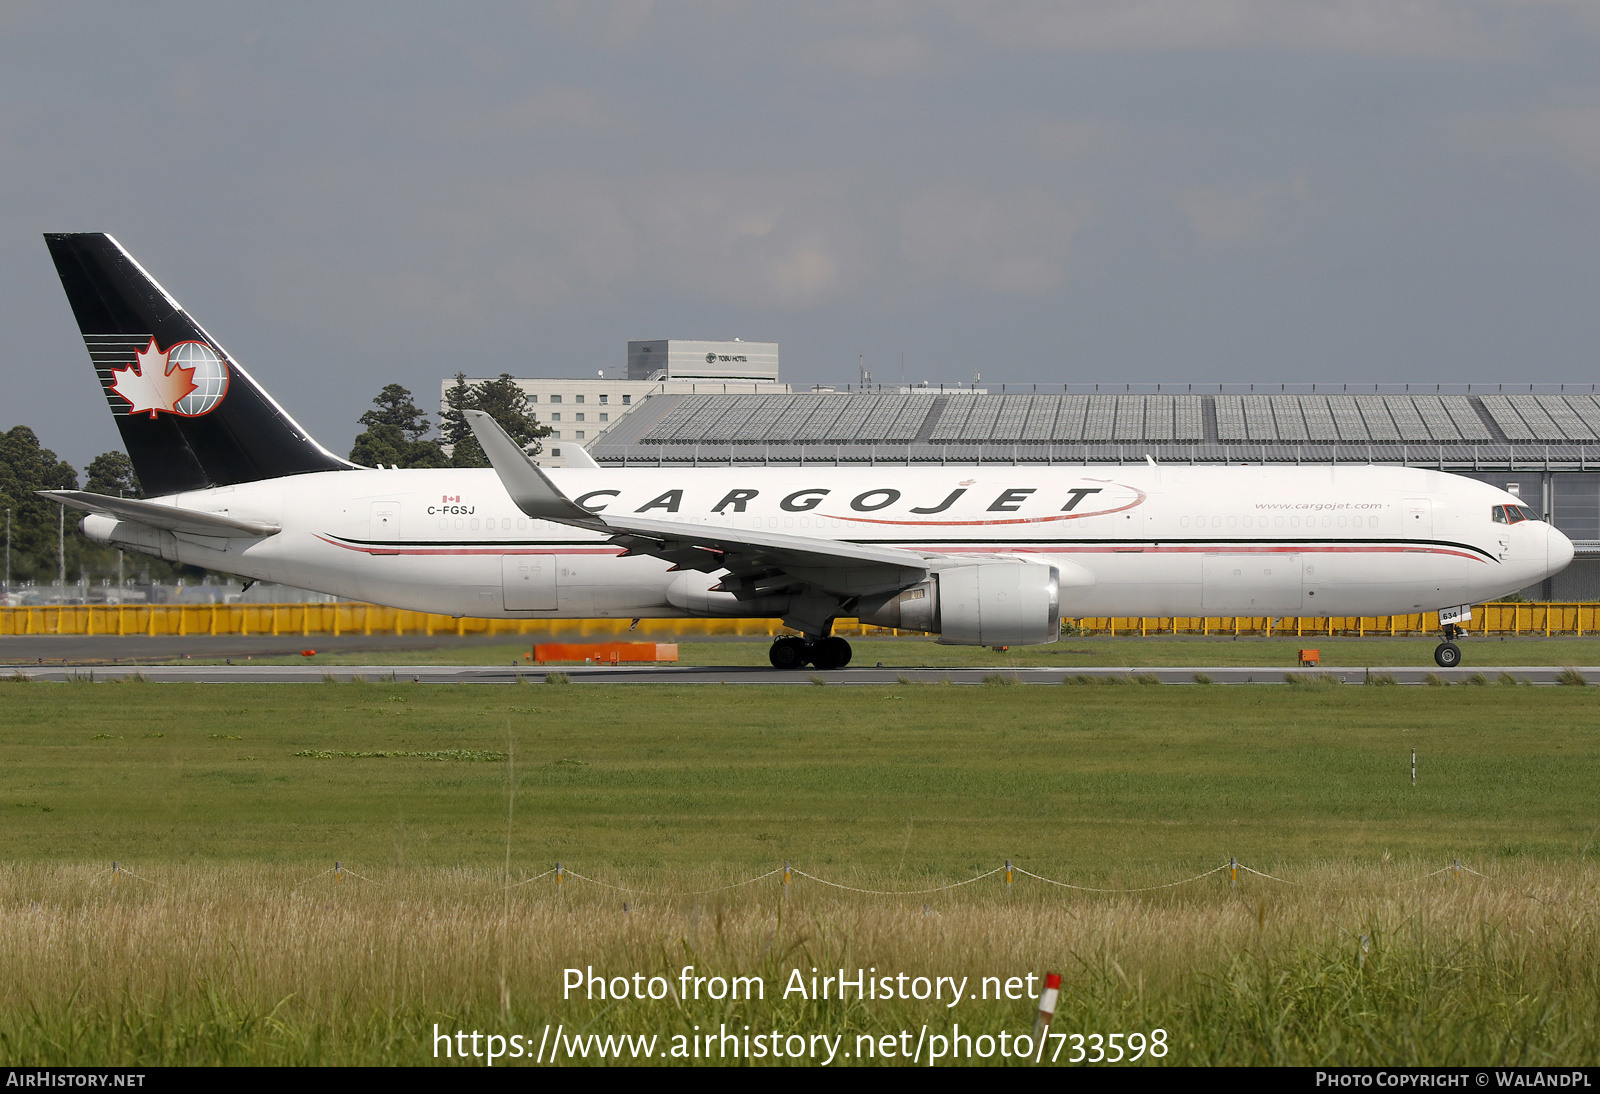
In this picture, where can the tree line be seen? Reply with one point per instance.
(397, 429)
(26, 467)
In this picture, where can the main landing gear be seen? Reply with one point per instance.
(794, 652)
(1447, 655)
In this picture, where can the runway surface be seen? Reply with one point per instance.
(110, 649)
(672, 674)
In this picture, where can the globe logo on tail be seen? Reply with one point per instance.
(188, 379)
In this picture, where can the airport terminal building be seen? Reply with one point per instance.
(583, 411)
(1537, 441)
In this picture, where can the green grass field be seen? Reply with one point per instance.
(238, 946)
(925, 779)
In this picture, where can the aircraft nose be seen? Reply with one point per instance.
(1558, 551)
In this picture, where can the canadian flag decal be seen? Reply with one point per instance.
(188, 379)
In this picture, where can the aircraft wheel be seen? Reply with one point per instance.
(831, 653)
(789, 652)
(1447, 655)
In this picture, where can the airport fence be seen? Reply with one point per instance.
(785, 875)
(1527, 618)
(349, 618)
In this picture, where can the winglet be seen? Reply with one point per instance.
(578, 456)
(528, 486)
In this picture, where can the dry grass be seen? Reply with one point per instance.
(253, 964)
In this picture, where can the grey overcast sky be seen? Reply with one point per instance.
(353, 194)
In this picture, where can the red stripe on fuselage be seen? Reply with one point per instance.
(1217, 549)
(1063, 548)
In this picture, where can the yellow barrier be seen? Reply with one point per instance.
(330, 619)
(370, 619)
(1507, 619)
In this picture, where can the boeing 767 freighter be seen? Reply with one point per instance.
(979, 555)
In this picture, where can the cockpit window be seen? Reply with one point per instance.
(1499, 514)
(1527, 514)
(1512, 514)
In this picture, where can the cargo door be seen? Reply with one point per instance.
(529, 582)
(1418, 520)
(1253, 584)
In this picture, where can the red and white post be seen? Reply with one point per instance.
(1047, 1004)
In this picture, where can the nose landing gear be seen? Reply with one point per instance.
(1447, 655)
(794, 652)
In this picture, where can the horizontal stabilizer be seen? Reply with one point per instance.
(157, 515)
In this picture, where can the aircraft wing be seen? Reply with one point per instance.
(157, 515)
(758, 563)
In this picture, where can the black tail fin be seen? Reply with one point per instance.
(189, 415)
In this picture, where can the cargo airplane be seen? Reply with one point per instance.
(978, 555)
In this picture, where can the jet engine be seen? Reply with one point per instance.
(985, 604)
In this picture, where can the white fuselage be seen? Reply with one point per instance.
(1158, 540)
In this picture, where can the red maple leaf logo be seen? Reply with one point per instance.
(156, 385)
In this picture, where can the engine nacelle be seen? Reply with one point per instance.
(999, 604)
(986, 604)
(913, 609)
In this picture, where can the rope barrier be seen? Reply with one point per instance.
(903, 892)
(1143, 889)
(693, 892)
(528, 880)
(310, 879)
(339, 870)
